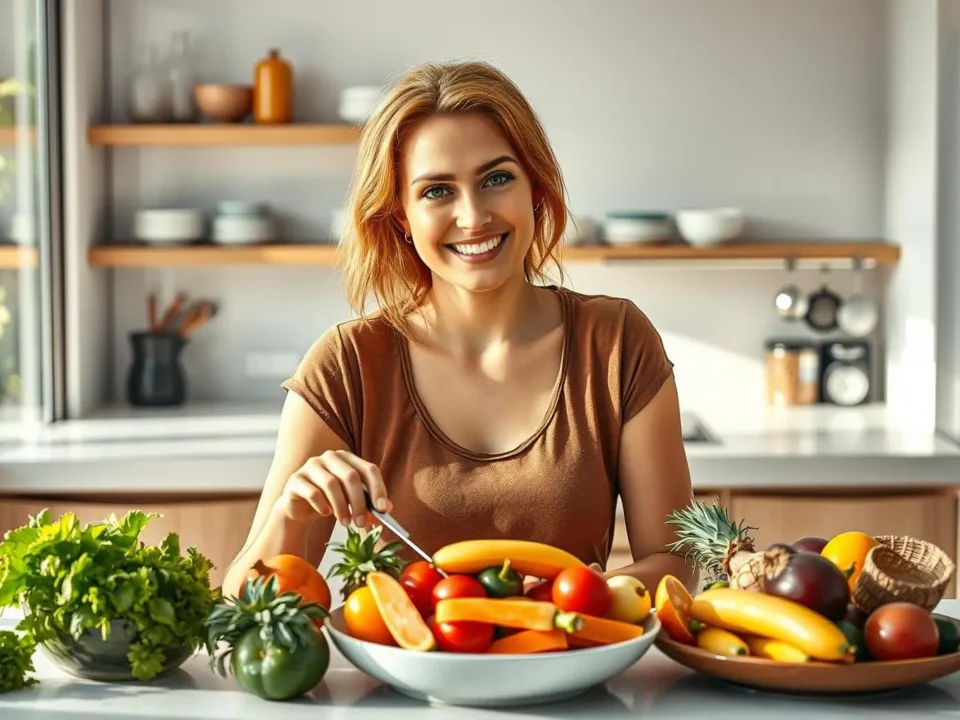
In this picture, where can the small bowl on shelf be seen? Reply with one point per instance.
(168, 225)
(631, 228)
(224, 103)
(710, 226)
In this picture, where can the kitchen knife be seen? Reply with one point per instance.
(391, 524)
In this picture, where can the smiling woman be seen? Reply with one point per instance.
(476, 401)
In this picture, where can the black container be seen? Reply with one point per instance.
(156, 378)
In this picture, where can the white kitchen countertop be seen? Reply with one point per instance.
(219, 448)
(654, 687)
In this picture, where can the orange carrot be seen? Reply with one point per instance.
(530, 641)
(603, 631)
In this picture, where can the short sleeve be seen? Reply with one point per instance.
(324, 380)
(644, 363)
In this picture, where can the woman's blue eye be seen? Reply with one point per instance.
(499, 178)
(435, 192)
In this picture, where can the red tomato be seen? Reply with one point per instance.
(419, 579)
(542, 591)
(900, 631)
(462, 637)
(582, 590)
(457, 586)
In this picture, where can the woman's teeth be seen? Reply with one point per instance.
(480, 248)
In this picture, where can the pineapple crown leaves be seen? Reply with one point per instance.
(360, 556)
(283, 619)
(708, 534)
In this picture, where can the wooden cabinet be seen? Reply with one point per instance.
(787, 518)
(216, 527)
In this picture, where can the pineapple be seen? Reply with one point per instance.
(361, 557)
(274, 643)
(718, 545)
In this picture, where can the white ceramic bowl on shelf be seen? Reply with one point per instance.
(489, 680)
(168, 225)
(709, 226)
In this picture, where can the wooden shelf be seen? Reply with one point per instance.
(194, 255)
(13, 257)
(877, 251)
(12, 135)
(222, 134)
(323, 254)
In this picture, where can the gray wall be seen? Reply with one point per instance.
(773, 105)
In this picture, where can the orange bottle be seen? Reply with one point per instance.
(273, 90)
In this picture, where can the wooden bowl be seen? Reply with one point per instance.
(812, 678)
(224, 103)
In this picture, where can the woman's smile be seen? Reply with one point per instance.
(479, 250)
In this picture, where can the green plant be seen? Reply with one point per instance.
(275, 649)
(16, 661)
(72, 579)
(360, 556)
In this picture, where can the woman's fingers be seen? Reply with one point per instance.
(301, 485)
(372, 479)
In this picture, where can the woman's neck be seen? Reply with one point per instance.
(471, 324)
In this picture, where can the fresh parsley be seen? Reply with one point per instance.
(69, 579)
(16, 661)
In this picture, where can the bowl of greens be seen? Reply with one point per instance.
(102, 604)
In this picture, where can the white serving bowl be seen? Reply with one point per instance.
(708, 226)
(489, 680)
(633, 228)
(357, 103)
(168, 225)
(242, 229)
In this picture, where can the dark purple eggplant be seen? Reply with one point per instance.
(810, 580)
(810, 544)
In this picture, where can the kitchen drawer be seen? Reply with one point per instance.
(787, 518)
(217, 528)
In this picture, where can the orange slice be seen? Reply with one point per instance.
(672, 604)
(400, 615)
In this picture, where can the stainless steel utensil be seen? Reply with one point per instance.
(790, 301)
(391, 524)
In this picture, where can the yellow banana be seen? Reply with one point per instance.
(721, 642)
(772, 617)
(526, 557)
(775, 650)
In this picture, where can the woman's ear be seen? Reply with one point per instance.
(400, 222)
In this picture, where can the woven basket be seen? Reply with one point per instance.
(903, 569)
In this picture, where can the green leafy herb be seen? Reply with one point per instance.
(16, 660)
(72, 579)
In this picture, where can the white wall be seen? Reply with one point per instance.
(773, 105)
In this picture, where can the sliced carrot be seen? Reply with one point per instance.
(530, 641)
(518, 613)
(603, 631)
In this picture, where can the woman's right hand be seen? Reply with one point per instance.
(332, 484)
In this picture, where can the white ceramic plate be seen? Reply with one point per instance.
(490, 680)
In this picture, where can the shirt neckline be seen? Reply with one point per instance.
(443, 439)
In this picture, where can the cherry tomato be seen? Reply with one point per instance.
(363, 619)
(901, 631)
(419, 579)
(462, 637)
(457, 586)
(542, 591)
(582, 590)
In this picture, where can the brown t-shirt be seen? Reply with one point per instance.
(558, 487)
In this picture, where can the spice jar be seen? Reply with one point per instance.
(273, 90)
(793, 373)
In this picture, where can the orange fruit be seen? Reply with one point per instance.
(672, 605)
(295, 574)
(848, 551)
(362, 617)
(400, 615)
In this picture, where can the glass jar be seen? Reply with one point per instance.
(793, 373)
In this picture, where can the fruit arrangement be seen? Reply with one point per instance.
(850, 598)
(472, 598)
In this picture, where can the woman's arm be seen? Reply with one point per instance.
(302, 436)
(654, 481)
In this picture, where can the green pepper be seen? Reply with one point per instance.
(501, 582)
(949, 636)
(856, 639)
(275, 673)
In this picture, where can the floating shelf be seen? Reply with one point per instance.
(13, 257)
(323, 254)
(12, 135)
(222, 134)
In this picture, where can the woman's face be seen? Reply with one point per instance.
(466, 201)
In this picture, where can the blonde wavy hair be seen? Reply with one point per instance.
(373, 256)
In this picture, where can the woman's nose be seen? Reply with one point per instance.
(472, 214)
